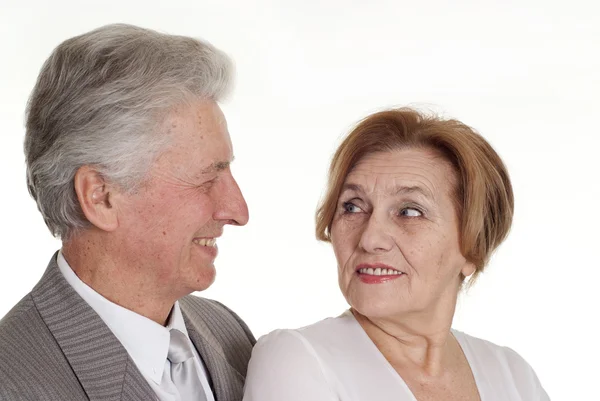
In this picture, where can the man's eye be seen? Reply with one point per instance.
(350, 207)
(210, 182)
(410, 212)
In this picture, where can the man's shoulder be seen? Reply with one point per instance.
(20, 329)
(31, 363)
(18, 326)
(214, 313)
(17, 342)
(18, 311)
(219, 326)
(205, 305)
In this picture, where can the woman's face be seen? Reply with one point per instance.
(395, 234)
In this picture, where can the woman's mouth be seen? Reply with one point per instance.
(377, 274)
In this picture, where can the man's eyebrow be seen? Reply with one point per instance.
(216, 167)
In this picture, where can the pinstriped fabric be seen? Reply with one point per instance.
(53, 346)
(135, 389)
(223, 341)
(221, 328)
(96, 356)
(32, 367)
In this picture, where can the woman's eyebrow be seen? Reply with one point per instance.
(403, 190)
(351, 187)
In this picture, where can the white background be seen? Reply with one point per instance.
(524, 73)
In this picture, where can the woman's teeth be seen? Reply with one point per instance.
(379, 272)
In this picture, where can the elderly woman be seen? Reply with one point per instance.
(415, 205)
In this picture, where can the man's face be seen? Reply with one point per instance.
(168, 229)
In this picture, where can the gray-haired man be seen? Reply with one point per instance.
(128, 160)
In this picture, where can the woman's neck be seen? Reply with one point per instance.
(419, 340)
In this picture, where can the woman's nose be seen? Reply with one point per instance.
(376, 237)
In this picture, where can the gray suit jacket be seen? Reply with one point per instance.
(53, 346)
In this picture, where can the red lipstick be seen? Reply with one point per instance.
(377, 273)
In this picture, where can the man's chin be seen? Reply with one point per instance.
(204, 278)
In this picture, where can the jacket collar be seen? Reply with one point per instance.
(98, 359)
(226, 381)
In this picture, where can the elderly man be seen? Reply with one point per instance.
(128, 160)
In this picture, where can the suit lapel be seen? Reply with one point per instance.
(227, 383)
(98, 359)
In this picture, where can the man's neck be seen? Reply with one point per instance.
(117, 281)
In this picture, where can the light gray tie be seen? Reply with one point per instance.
(183, 370)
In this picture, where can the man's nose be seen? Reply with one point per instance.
(232, 206)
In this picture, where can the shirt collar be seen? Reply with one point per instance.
(146, 341)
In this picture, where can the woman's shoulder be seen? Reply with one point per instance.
(320, 347)
(502, 367)
(296, 361)
(322, 334)
(488, 351)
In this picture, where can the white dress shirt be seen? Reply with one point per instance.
(146, 341)
(335, 360)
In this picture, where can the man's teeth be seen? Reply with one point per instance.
(205, 241)
(379, 272)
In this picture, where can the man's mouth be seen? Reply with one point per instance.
(205, 241)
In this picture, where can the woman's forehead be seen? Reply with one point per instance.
(419, 169)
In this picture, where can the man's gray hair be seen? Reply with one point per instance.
(100, 100)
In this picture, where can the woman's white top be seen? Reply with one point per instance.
(335, 360)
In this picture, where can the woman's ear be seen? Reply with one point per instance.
(95, 198)
(468, 269)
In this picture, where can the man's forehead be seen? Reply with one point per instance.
(199, 113)
(209, 109)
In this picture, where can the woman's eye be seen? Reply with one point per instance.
(410, 212)
(351, 208)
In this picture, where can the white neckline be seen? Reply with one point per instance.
(459, 336)
(146, 341)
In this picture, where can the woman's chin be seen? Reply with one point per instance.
(377, 307)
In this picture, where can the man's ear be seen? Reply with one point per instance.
(96, 197)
